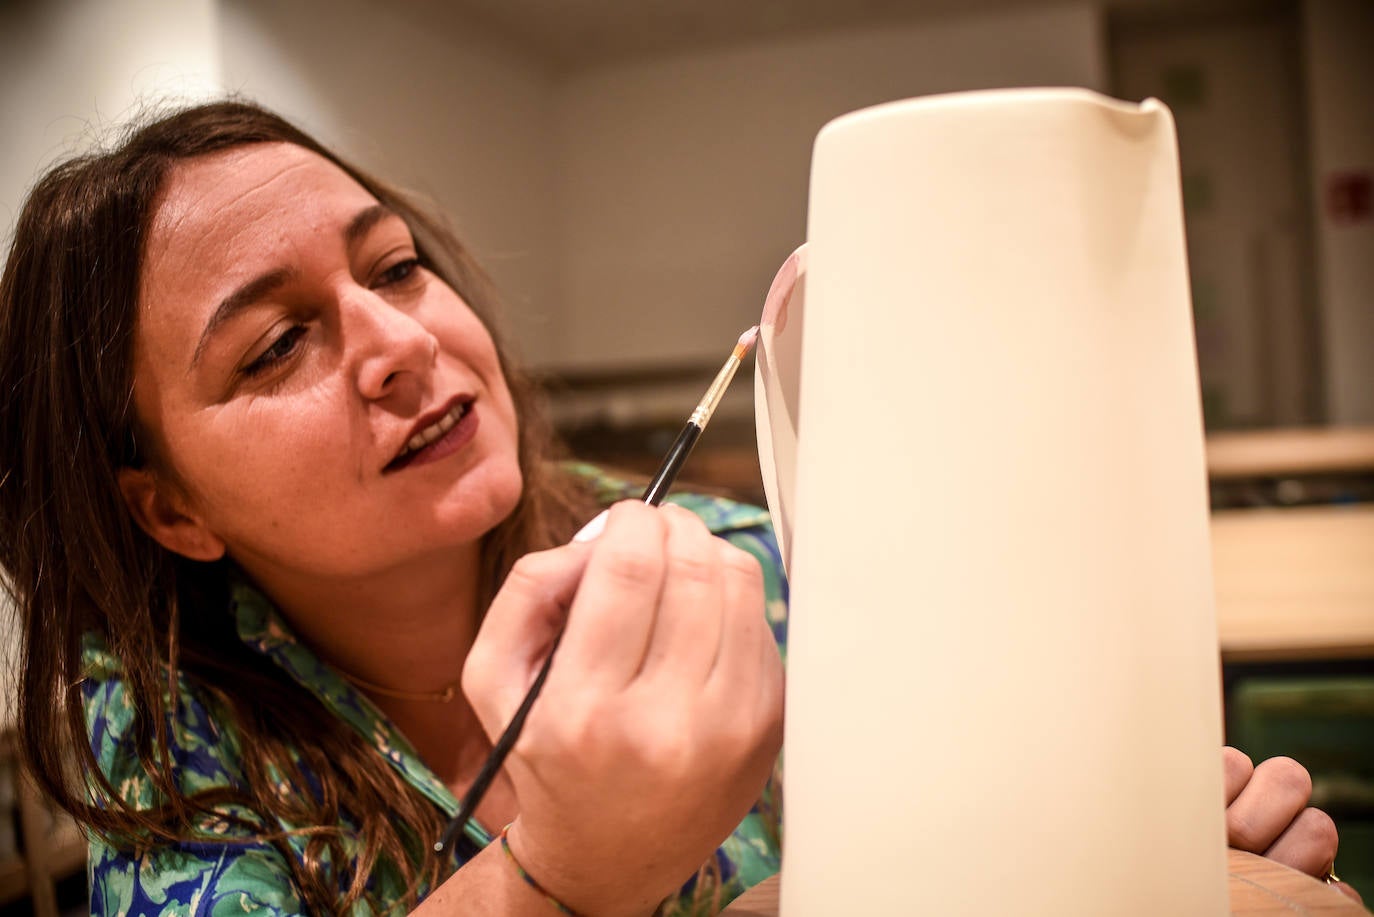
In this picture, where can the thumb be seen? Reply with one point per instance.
(519, 630)
(1348, 890)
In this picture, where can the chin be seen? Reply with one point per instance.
(511, 496)
(501, 488)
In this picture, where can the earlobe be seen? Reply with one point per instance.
(162, 515)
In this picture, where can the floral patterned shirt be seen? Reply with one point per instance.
(254, 878)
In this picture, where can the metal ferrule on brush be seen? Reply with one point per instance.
(707, 406)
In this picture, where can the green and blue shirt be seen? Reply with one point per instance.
(239, 877)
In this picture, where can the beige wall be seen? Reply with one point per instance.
(1340, 75)
(465, 121)
(460, 118)
(683, 182)
(69, 71)
(72, 68)
(633, 213)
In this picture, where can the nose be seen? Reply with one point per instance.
(389, 345)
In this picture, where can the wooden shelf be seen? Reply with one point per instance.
(1295, 451)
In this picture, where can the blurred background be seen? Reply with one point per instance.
(632, 173)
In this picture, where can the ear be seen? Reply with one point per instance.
(161, 512)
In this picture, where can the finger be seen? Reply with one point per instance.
(770, 689)
(613, 613)
(1237, 769)
(771, 669)
(744, 627)
(518, 630)
(749, 667)
(1308, 844)
(1273, 797)
(687, 628)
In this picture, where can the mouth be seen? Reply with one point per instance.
(438, 435)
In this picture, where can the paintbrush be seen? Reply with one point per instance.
(653, 495)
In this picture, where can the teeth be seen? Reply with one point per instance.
(435, 430)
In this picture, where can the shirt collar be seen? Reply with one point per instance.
(261, 626)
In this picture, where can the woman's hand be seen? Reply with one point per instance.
(1267, 813)
(662, 714)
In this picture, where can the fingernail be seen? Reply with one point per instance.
(592, 529)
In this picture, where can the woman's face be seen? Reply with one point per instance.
(325, 405)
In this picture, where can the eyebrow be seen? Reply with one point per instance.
(245, 296)
(269, 282)
(364, 220)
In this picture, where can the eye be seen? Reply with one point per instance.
(276, 352)
(398, 273)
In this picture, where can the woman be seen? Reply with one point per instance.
(275, 383)
(271, 489)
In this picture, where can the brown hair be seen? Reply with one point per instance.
(77, 563)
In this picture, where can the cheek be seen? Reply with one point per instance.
(260, 457)
(465, 338)
(461, 333)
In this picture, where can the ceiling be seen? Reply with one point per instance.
(577, 34)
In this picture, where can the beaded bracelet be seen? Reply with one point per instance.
(529, 879)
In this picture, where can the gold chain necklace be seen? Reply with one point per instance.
(441, 697)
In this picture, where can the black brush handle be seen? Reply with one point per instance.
(492, 766)
(653, 495)
(672, 464)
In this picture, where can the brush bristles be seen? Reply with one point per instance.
(746, 342)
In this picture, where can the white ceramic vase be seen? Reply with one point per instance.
(1003, 691)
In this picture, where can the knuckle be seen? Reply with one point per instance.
(1236, 761)
(482, 679)
(739, 561)
(1286, 775)
(770, 745)
(681, 517)
(534, 575)
(736, 743)
(526, 572)
(762, 732)
(671, 755)
(776, 676)
(631, 509)
(693, 567)
(1321, 830)
(756, 748)
(575, 733)
(579, 730)
(664, 749)
(1242, 833)
(475, 673)
(633, 564)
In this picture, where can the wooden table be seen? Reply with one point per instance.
(1259, 888)
(1294, 584)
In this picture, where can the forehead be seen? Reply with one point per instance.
(248, 201)
(224, 218)
(227, 218)
(245, 178)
